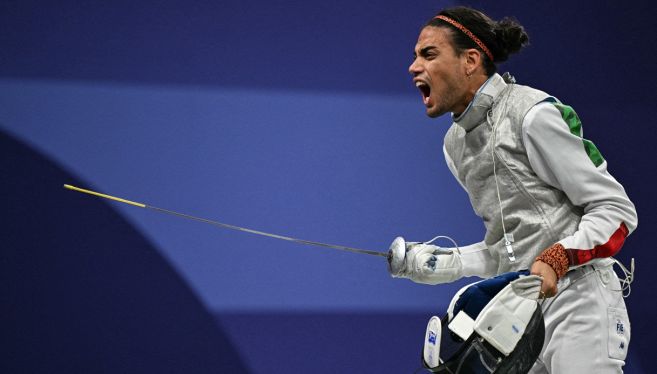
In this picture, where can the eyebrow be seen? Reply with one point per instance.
(425, 50)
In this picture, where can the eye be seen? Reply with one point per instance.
(429, 53)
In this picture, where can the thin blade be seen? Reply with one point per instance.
(227, 226)
(275, 236)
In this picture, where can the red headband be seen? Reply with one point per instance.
(468, 33)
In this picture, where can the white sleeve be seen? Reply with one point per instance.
(562, 158)
(477, 261)
(475, 258)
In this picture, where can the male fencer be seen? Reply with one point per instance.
(543, 191)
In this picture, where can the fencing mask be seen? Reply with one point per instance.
(491, 326)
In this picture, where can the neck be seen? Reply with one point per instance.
(473, 84)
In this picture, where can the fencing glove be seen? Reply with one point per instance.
(423, 263)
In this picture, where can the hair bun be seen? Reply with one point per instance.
(511, 38)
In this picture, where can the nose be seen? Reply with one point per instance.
(415, 68)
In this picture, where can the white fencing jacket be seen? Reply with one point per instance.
(559, 156)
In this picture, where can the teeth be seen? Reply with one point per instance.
(425, 90)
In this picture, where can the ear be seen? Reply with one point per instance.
(473, 60)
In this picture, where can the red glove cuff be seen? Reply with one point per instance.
(557, 258)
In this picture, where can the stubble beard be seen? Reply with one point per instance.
(452, 98)
(443, 105)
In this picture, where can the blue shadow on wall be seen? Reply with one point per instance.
(82, 291)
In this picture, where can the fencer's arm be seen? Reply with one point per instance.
(430, 264)
(562, 158)
(477, 261)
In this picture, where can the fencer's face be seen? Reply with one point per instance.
(439, 73)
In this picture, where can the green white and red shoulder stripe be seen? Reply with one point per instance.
(561, 157)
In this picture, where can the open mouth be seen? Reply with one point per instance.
(425, 90)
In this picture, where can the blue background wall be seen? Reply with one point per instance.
(296, 117)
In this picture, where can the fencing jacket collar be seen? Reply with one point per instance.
(476, 111)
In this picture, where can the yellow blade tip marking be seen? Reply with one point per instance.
(69, 187)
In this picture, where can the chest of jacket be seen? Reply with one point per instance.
(492, 164)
